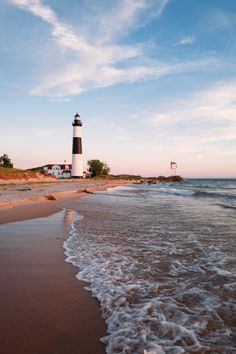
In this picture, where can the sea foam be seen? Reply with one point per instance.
(162, 268)
(137, 320)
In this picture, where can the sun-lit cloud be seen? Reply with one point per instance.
(206, 118)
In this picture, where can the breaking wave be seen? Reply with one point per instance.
(162, 267)
(176, 191)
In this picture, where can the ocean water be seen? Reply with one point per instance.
(161, 260)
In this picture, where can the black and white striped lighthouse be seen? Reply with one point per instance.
(77, 157)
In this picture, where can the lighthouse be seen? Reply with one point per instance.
(77, 157)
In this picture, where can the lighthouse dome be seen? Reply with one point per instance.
(77, 121)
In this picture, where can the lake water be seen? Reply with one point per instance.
(161, 259)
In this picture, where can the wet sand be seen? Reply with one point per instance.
(44, 308)
(28, 211)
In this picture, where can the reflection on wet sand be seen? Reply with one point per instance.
(69, 216)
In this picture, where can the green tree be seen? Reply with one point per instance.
(98, 168)
(5, 161)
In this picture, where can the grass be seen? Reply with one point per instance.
(7, 173)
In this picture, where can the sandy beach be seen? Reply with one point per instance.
(44, 308)
(23, 200)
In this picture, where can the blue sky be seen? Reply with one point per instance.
(154, 81)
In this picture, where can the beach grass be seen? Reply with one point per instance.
(8, 173)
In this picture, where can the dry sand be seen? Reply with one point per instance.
(44, 308)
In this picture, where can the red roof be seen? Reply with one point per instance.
(62, 166)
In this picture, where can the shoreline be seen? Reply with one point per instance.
(44, 308)
(41, 206)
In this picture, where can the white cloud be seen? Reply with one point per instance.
(207, 118)
(77, 78)
(99, 61)
(125, 14)
(185, 41)
(96, 62)
(124, 137)
(62, 33)
(120, 17)
(45, 133)
(8, 132)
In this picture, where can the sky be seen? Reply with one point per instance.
(153, 81)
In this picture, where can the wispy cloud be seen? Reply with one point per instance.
(62, 33)
(218, 19)
(207, 118)
(122, 134)
(77, 78)
(185, 41)
(126, 13)
(98, 61)
(24, 132)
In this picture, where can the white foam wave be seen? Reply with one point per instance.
(153, 280)
(136, 318)
(177, 268)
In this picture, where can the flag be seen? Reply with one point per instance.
(173, 165)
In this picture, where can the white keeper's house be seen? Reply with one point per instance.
(59, 170)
